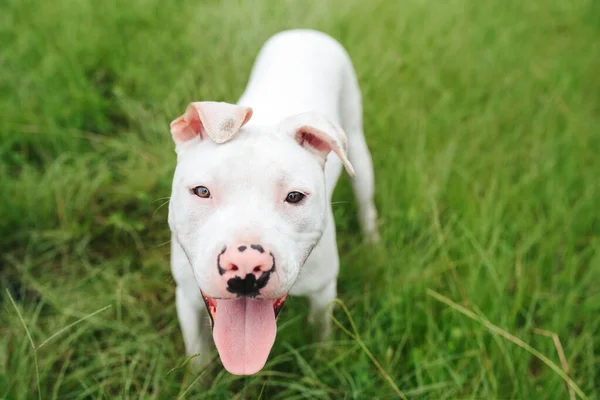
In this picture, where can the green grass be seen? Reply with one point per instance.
(483, 118)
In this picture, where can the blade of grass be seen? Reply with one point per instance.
(72, 325)
(561, 354)
(37, 369)
(192, 384)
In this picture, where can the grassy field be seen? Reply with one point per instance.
(483, 118)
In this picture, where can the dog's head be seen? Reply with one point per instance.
(248, 205)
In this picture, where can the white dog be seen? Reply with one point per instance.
(250, 209)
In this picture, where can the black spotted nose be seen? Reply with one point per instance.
(245, 268)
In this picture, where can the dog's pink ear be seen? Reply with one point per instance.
(219, 121)
(319, 136)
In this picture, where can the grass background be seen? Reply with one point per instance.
(483, 118)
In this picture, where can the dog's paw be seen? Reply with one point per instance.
(369, 223)
(319, 327)
(373, 237)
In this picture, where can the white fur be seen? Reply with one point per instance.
(296, 72)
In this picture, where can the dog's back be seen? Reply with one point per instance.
(307, 63)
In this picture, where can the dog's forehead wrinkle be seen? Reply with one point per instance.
(252, 162)
(252, 142)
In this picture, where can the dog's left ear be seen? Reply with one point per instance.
(219, 121)
(319, 136)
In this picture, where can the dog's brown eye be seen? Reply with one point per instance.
(294, 197)
(201, 191)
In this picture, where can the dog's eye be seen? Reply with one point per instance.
(294, 197)
(201, 191)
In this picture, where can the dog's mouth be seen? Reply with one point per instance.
(244, 331)
(211, 306)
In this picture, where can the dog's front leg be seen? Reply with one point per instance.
(321, 302)
(195, 327)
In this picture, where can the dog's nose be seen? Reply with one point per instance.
(246, 267)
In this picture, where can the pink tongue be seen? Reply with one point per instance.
(244, 333)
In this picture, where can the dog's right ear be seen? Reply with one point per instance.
(217, 120)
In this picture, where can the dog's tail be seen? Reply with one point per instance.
(363, 183)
